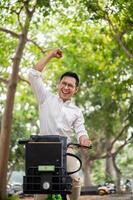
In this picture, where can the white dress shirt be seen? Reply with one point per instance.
(56, 117)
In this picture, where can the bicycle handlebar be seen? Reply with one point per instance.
(23, 141)
(79, 145)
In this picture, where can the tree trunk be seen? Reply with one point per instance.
(118, 175)
(86, 168)
(7, 115)
(110, 169)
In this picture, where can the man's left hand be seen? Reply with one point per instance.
(85, 141)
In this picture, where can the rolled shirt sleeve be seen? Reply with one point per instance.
(79, 126)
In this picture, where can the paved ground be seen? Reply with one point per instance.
(107, 197)
(98, 197)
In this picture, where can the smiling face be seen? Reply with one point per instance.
(67, 88)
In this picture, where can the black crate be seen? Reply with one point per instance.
(45, 166)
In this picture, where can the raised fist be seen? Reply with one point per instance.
(56, 53)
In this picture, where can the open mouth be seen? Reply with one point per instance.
(65, 93)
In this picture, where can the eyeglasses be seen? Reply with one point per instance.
(69, 85)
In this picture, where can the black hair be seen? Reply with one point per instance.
(71, 74)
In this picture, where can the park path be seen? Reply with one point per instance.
(107, 197)
(97, 197)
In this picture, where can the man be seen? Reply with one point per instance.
(58, 115)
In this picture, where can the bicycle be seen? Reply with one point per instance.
(45, 165)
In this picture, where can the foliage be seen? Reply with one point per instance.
(14, 197)
(54, 197)
(98, 175)
(125, 161)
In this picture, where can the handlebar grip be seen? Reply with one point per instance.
(79, 145)
(83, 146)
(23, 141)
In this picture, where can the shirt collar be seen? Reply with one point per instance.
(66, 102)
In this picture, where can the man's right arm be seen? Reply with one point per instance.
(35, 78)
(57, 53)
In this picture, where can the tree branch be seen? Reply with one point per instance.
(22, 79)
(28, 11)
(12, 33)
(121, 146)
(119, 135)
(40, 48)
(4, 80)
(118, 36)
(18, 16)
(16, 35)
(114, 154)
